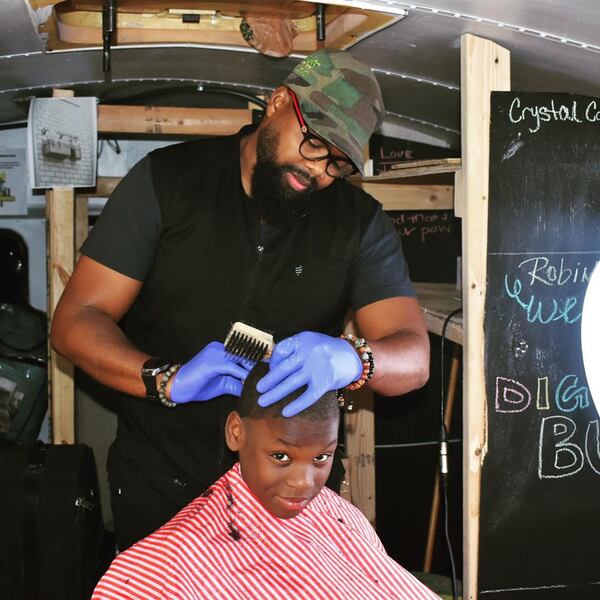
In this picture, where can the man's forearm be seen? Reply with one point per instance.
(401, 363)
(96, 345)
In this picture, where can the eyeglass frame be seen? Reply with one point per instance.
(307, 134)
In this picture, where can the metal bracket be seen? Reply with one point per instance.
(109, 27)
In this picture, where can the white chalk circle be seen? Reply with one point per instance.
(590, 336)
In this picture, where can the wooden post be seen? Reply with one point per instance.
(485, 67)
(360, 445)
(360, 448)
(60, 204)
(81, 222)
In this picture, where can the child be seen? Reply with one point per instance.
(268, 529)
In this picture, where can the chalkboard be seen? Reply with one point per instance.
(430, 242)
(540, 487)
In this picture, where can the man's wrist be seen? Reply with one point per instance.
(151, 369)
(365, 355)
(166, 383)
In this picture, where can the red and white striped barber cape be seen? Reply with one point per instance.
(225, 545)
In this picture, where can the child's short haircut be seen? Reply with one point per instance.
(327, 407)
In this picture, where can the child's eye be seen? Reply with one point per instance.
(280, 456)
(322, 458)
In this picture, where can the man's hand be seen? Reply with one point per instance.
(211, 373)
(322, 362)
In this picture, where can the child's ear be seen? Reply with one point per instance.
(234, 431)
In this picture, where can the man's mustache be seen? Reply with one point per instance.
(305, 178)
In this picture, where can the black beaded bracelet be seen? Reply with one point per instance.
(346, 404)
(162, 386)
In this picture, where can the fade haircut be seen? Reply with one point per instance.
(247, 406)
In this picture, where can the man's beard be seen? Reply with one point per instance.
(277, 202)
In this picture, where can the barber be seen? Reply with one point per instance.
(259, 227)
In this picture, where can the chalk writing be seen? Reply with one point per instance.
(426, 224)
(542, 401)
(534, 116)
(560, 454)
(543, 311)
(512, 396)
(392, 156)
(513, 149)
(592, 446)
(541, 270)
(570, 395)
(558, 457)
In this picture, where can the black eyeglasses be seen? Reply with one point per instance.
(313, 148)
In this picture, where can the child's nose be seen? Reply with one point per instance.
(301, 481)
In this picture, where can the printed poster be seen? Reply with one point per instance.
(13, 182)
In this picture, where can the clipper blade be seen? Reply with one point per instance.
(248, 342)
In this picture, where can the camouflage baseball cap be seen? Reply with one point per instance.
(340, 100)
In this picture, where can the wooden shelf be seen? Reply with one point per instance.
(389, 189)
(417, 168)
(438, 300)
(409, 197)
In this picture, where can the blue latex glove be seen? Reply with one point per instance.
(322, 362)
(211, 373)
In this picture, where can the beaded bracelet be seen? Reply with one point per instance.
(366, 357)
(162, 386)
(346, 404)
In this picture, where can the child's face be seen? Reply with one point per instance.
(284, 461)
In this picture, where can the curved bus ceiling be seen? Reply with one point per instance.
(554, 45)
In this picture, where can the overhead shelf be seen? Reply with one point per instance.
(417, 168)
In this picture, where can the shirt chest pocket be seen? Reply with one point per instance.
(315, 290)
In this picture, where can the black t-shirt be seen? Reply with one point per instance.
(181, 223)
(127, 234)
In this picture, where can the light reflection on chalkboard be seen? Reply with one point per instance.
(590, 336)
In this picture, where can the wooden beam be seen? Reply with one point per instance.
(360, 445)
(396, 196)
(171, 120)
(59, 214)
(393, 196)
(485, 67)
(104, 188)
(60, 209)
(81, 222)
(459, 195)
(360, 449)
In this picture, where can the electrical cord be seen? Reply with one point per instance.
(444, 455)
(447, 536)
(114, 145)
(219, 90)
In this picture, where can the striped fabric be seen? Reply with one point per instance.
(225, 545)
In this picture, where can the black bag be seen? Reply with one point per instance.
(23, 372)
(51, 530)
